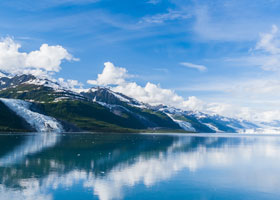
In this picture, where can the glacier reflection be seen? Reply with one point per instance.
(31, 145)
(108, 168)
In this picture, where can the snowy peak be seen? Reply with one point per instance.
(105, 95)
(6, 82)
(35, 89)
(42, 90)
(14, 81)
(2, 74)
(44, 82)
(203, 122)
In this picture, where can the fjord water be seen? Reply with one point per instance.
(139, 166)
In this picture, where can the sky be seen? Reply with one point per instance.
(215, 56)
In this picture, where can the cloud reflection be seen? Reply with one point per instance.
(186, 155)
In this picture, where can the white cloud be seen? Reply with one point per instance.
(201, 68)
(48, 58)
(70, 84)
(155, 95)
(269, 47)
(111, 75)
(10, 57)
(45, 61)
(270, 42)
(150, 93)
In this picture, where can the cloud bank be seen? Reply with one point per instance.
(42, 62)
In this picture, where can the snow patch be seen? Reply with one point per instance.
(2, 75)
(92, 90)
(44, 82)
(104, 104)
(142, 106)
(41, 123)
(120, 97)
(58, 99)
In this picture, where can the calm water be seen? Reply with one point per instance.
(134, 166)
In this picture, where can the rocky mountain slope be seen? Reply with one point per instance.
(44, 105)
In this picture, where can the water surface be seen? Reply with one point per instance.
(139, 166)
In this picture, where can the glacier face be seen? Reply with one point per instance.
(40, 122)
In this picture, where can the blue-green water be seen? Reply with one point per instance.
(139, 166)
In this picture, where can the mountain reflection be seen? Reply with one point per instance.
(106, 165)
(29, 145)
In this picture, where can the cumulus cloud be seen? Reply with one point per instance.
(201, 68)
(111, 75)
(155, 95)
(42, 62)
(70, 84)
(150, 93)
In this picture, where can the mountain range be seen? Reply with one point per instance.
(29, 104)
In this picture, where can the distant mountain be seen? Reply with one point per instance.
(44, 105)
(202, 122)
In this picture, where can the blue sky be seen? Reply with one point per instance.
(152, 38)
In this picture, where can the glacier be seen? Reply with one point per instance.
(183, 124)
(40, 122)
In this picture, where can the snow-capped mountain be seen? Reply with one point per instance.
(6, 81)
(203, 122)
(101, 109)
(105, 95)
(96, 109)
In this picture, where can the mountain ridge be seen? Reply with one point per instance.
(101, 109)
